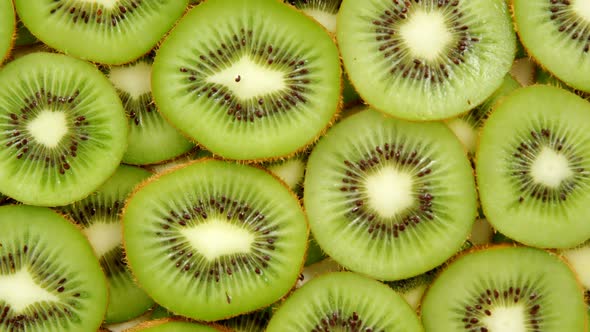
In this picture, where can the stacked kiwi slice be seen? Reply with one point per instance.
(294, 165)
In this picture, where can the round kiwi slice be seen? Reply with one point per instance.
(393, 200)
(98, 217)
(63, 129)
(212, 239)
(533, 167)
(344, 301)
(170, 325)
(553, 31)
(50, 280)
(505, 289)
(104, 31)
(252, 322)
(151, 138)
(7, 28)
(248, 78)
(426, 59)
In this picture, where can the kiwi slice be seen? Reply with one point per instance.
(7, 28)
(169, 325)
(50, 280)
(413, 289)
(426, 59)
(505, 289)
(344, 301)
(151, 138)
(399, 192)
(248, 78)
(63, 129)
(113, 32)
(578, 258)
(212, 239)
(533, 181)
(554, 31)
(98, 217)
(253, 322)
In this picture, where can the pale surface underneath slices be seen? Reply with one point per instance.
(217, 238)
(505, 319)
(414, 296)
(290, 171)
(578, 258)
(389, 191)
(103, 236)
(106, 3)
(326, 19)
(426, 34)
(582, 8)
(19, 290)
(247, 79)
(48, 128)
(135, 79)
(465, 132)
(550, 168)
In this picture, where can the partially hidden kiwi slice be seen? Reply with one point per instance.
(113, 31)
(533, 167)
(170, 325)
(426, 59)
(50, 280)
(505, 289)
(247, 77)
(63, 129)
(212, 239)
(252, 322)
(323, 11)
(99, 218)
(7, 28)
(389, 198)
(344, 301)
(578, 258)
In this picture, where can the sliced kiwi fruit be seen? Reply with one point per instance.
(23, 36)
(578, 258)
(426, 59)
(557, 35)
(505, 289)
(344, 301)
(212, 239)
(316, 269)
(63, 129)
(160, 312)
(412, 289)
(533, 167)
(393, 200)
(253, 322)
(151, 138)
(50, 280)
(291, 170)
(248, 78)
(7, 28)
(196, 153)
(171, 325)
(126, 326)
(113, 32)
(99, 218)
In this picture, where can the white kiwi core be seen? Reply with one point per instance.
(506, 319)
(326, 19)
(105, 3)
(48, 128)
(217, 238)
(550, 168)
(134, 80)
(582, 8)
(389, 191)
(104, 237)
(19, 290)
(426, 34)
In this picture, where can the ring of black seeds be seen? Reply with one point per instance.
(569, 23)
(84, 12)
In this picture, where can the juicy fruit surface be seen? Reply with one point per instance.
(533, 183)
(401, 193)
(63, 127)
(173, 326)
(7, 27)
(114, 32)
(505, 289)
(349, 302)
(47, 285)
(206, 246)
(450, 55)
(248, 78)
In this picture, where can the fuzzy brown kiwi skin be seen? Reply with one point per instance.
(157, 322)
(202, 160)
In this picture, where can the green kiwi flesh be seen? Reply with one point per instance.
(7, 28)
(323, 11)
(399, 192)
(344, 301)
(50, 280)
(532, 182)
(167, 325)
(505, 289)
(578, 258)
(63, 129)
(252, 322)
(114, 32)
(212, 239)
(426, 59)
(248, 78)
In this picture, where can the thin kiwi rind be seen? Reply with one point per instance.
(114, 32)
(64, 129)
(7, 28)
(213, 239)
(98, 216)
(268, 91)
(532, 181)
(50, 280)
(426, 60)
(348, 300)
(399, 192)
(176, 325)
(505, 288)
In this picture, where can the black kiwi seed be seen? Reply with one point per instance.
(561, 12)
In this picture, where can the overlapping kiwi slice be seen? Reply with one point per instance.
(247, 77)
(426, 59)
(533, 167)
(323, 11)
(212, 239)
(389, 198)
(7, 28)
(505, 289)
(113, 31)
(170, 325)
(344, 301)
(63, 129)
(50, 280)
